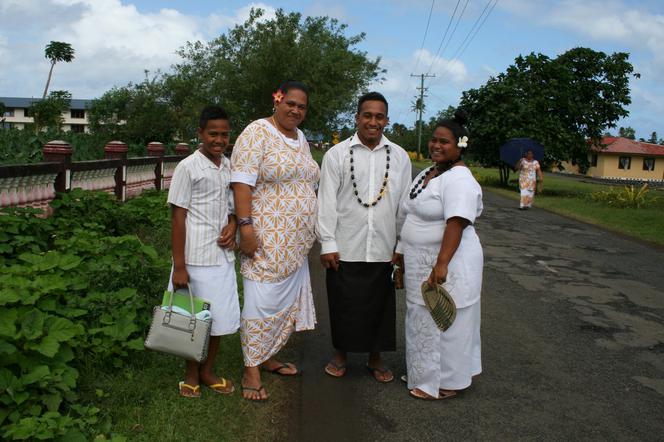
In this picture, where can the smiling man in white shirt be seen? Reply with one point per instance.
(364, 179)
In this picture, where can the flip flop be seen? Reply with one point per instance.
(195, 389)
(257, 390)
(381, 371)
(281, 367)
(419, 394)
(221, 387)
(329, 369)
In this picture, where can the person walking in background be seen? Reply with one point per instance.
(203, 237)
(529, 175)
(443, 203)
(363, 181)
(274, 179)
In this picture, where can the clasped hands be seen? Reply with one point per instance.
(331, 260)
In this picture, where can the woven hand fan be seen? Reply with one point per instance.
(440, 305)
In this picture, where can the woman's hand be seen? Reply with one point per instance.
(540, 186)
(248, 241)
(180, 278)
(438, 275)
(226, 239)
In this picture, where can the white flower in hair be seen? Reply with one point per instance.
(463, 142)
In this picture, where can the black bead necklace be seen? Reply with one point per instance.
(416, 190)
(383, 187)
(440, 169)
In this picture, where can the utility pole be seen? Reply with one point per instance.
(420, 108)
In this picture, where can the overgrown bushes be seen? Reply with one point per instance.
(76, 291)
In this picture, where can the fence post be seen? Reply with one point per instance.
(157, 149)
(117, 150)
(182, 149)
(58, 151)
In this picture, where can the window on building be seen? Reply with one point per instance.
(624, 163)
(8, 113)
(649, 164)
(593, 160)
(5, 125)
(78, 128)
(77, 113)
(27, 112)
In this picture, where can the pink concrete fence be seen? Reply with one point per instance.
(35, 185)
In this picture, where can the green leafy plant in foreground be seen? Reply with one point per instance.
(71, 297)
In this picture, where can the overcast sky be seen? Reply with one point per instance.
(117, 40)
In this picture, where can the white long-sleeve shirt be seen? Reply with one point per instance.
(358, 233)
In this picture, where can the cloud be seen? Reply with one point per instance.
(218, 22)
(400, 88)
(115, 43)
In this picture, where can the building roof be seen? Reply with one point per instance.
(619, 145)
(24, 103)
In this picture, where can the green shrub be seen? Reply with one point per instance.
(76, 291)
(624, 197)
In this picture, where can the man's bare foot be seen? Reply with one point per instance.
(378, 370)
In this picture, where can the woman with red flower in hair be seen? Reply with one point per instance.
(274, 178)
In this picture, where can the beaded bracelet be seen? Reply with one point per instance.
(248, 221)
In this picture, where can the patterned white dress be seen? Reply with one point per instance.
(277, 287)
(528, 181)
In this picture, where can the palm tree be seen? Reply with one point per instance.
(57, 51)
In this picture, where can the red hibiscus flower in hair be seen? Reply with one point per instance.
(277, 97)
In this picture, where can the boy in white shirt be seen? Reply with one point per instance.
(203, 239)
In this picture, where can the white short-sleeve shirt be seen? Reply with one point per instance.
(203, 188)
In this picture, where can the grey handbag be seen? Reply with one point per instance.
(179, 335)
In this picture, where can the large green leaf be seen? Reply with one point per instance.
(32, 324)
(36, 374)
(62, 329)
(8, 318)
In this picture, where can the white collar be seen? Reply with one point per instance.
(355, 141)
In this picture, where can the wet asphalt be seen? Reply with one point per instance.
(572, 346)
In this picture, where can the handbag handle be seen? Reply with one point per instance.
(192, 321)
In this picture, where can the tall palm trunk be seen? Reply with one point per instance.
(50, 72)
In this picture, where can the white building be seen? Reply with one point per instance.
(17, 114)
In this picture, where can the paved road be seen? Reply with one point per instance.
(573, 346)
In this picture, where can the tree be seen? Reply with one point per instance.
(47, 113)
(627, 132)
(136, 113)
(57, 51)
(653, 138)
(561, 102)
(242, 68)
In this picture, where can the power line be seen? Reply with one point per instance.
(419, 54)
(474, 30)
(456, 25)
(426, 31)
